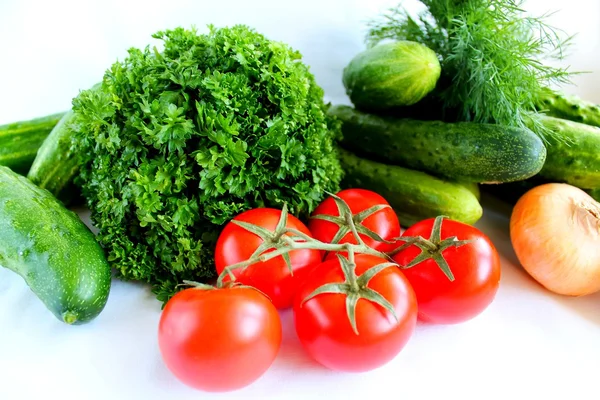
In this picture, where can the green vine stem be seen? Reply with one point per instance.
(284, 240)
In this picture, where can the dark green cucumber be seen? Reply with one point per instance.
(55, 166)
(389, 75)
(413, 195)
(573, 108)
(460, 151)
(20, 141)
(573, 153)
(52, 249)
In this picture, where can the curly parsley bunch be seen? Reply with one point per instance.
(174, 143)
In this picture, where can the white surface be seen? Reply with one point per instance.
(528, 344)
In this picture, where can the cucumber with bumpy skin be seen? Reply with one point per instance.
(573, 108)
(391, 75)
(413, 195)
(20, 141)
(55, 166)
(52, 250)
(460, 151)
(573, 153)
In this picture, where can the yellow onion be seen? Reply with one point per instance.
(555, 232)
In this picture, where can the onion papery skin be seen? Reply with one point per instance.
(555, 232)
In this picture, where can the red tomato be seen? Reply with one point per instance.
(325, 331)
(273, 277)
(475, 267)
(383, 222)
(220, 339)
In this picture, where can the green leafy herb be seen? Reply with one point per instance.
(177, 142)
(492, 55)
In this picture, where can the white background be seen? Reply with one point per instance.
(528, 344)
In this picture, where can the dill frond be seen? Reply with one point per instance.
(493, 56)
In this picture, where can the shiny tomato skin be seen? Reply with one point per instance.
(475, 266)
(324, 330)
(219, 340)
(384, 222)
(236, 244)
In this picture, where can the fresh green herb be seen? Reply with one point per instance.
(177, 142)
(491, 53)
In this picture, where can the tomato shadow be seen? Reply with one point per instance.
(292, 365)
(496, 224)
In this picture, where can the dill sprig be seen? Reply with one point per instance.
(492, 54)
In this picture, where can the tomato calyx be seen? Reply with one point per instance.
(355, 287)
(271, 240)
(352, 223)
(432, 248)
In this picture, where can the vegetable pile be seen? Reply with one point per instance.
(488, 117)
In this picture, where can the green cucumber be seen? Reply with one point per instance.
(52, 250)
(573, 108)
(413, 195)
(55, 166)
(20, 141)
(390, 75)
(573, 153)
(473, 188)
(459, 151)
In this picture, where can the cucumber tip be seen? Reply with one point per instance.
(69, 317)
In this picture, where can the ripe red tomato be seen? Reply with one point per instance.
(236, 244)
(219, 340)
(324, 329)
(475, 267)
(383, 222)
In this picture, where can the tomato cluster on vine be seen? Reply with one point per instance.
(356, 284)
